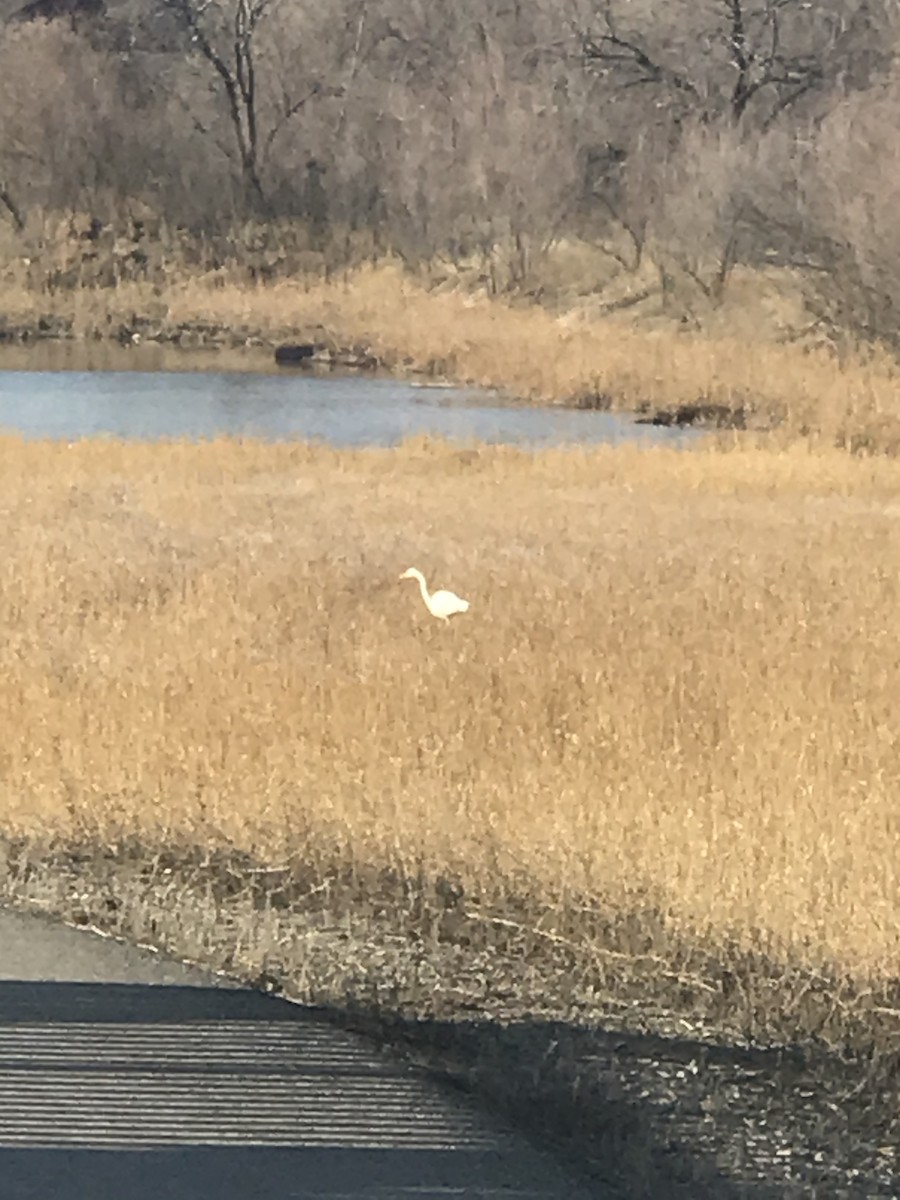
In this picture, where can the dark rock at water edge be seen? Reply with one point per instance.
(292, 353)
(308, 354)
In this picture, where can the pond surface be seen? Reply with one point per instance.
(208, 397)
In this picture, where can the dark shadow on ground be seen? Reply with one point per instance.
(126, 1003)
(649, 1116)
(171, 1092)
(180, 1093)
(252, 1173)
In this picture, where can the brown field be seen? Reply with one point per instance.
(672, 704)
(646, 789)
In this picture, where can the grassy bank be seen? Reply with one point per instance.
(649, 780)
(597, 338)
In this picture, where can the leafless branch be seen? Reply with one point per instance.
(12, 208)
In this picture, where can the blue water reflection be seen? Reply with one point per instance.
(340, 410)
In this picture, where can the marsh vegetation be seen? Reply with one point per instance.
(648, 780)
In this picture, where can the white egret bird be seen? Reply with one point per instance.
(440, 604)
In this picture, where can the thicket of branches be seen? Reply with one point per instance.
(691, 134)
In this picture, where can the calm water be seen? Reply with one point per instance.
(149, 403)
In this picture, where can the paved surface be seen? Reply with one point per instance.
(124, 1076)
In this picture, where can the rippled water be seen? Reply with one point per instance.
(152, 404)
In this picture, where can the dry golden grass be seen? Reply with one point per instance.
(676, 689)
(441, 322)
(534, 354)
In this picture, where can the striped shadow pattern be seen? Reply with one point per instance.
(192, 1088)
(218, 1084)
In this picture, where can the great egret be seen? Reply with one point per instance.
(440, 604)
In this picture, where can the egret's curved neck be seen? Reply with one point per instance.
(422, 588)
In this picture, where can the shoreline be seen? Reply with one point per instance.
(187, 336)
(380, 318)
(327, 357)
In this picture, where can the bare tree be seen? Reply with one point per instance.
(683, 135)
(238, 40)
(53, 155)
(698, 219)
(844, 211)
(714, 57)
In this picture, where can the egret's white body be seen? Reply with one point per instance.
(442, 605)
